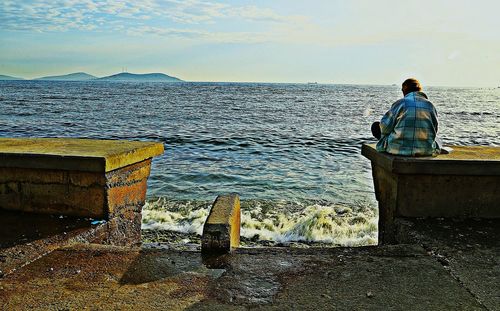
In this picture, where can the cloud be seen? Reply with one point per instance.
(181, 19)
(201, 35)
(254, 13)
(42, 16)
(454, 55)
(63, 15)
(190, 11)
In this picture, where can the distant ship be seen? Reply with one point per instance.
(312, 82)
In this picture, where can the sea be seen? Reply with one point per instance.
(291, 151)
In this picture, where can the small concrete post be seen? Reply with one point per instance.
(221, 232)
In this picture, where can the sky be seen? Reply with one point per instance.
(443, 43)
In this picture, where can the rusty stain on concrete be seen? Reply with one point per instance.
(127, 186)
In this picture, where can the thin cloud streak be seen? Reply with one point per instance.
(202, 35)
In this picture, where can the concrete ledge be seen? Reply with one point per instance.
(463, 184)
(463, 160)
(103, 179)
(221, 232)
(87, 155)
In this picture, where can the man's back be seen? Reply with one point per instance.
(409, 128)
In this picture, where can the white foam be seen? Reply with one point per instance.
(167, 215)
(278, 221)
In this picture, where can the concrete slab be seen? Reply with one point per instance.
(88, 155)
(103, 278)
(469, 249)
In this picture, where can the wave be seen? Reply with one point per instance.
(282, 222)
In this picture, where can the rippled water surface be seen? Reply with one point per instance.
(292, 151)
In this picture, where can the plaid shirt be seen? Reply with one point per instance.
(409, 128)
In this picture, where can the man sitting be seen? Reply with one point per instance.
(410, 127)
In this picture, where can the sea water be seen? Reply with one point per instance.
(291, 151)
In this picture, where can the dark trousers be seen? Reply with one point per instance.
(376, 130)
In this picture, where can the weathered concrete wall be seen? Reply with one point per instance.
(386, 194)
(97, 179)
(463, 184)
(117, 196)
(448, 196)
(221, 232)
(73, 193)
(401, 195)
(125, 197)
(53, 191)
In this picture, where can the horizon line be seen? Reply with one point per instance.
(242, 82)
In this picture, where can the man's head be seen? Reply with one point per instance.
(411, 85)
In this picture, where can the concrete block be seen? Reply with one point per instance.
(103, 179)
(462, 184)
(221, 232)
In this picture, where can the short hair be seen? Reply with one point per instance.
(412, 85)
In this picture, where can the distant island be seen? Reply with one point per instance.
(77, 76)
(4, 77)
(119, 77)
(147, 77)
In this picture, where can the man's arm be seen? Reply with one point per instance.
(389, 120)
(435, 119)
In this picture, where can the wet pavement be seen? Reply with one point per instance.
(444, 265)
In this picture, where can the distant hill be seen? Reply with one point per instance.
(147, 77)
(77, 76)
(124, 76)
(4, 77)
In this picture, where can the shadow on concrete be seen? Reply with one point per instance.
(153, 265)
(216, 261)
(18, 228)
